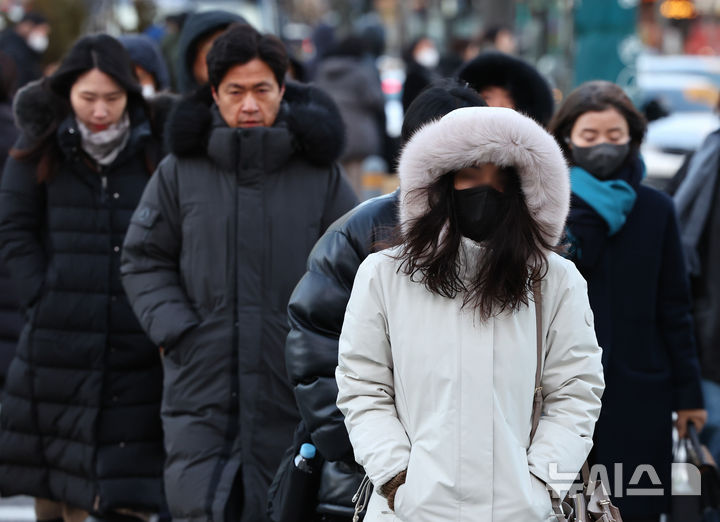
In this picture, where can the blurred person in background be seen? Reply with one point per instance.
(354, 85)
(152, 74)
(697, 200)
(150, 67)
(8, 83)
(169, 45)
(25, 44)
(421, 60)
(498, 38)
(323, 39)
(196, 38)
(214, 249)
(623, 237)
(460, 50)
(505, 81)
(80, 422)
(11, 321)
(317, 307)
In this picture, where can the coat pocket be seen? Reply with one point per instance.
(541, 497)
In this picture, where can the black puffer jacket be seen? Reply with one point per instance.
(11, 320)
(80, 416)
(214, 250)
(316, 309)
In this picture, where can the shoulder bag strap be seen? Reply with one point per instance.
(537, 397)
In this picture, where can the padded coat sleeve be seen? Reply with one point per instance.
(675, 320)
(22, 215)
(150, 261)
(366, 393)
(316, 311)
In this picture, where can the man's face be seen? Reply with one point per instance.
(249, 95)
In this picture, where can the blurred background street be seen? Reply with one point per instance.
(662, 52)
(665, 54)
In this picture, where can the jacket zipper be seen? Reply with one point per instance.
(103, 185)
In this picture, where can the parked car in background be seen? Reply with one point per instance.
(688, 89)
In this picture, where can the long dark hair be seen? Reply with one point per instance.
(513, 260)
(592, 96)
(98, 51)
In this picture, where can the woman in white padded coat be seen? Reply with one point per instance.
(437, 355)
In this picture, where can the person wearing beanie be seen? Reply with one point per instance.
(506, 81)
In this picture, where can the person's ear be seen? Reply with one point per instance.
(214, 94)
(282, 90)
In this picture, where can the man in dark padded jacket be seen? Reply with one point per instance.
(214, 249)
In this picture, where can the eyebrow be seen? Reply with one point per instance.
(93, 93)
(239, 86)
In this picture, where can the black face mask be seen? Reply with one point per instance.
(479, 211)
(601, 160)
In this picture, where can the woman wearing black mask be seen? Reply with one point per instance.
(623, 238)
(438, 350)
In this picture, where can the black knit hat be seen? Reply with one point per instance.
(529, 89)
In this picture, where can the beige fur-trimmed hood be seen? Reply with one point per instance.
(476, 135)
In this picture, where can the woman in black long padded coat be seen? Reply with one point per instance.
(80, 422)
(624, 240)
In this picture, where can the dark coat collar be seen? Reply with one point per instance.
(309, 125)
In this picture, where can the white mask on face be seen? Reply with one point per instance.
(148, 91)
(428, 57)
(38, 42)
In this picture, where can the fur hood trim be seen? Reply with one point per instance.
(529, 89)
(311, 116)
(475, 135)
(36, 109)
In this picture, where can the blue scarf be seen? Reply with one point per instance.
(611, 199)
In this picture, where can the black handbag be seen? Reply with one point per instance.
(695, 498)
(700, 456)
(293, 492)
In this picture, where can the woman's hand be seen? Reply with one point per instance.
(389, 489)
(698, 418)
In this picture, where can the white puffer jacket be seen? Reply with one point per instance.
(428, 387)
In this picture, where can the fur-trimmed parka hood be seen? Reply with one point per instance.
(530, 91)
(310, 115)
(475, 135)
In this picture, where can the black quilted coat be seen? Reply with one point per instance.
(80, 420)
